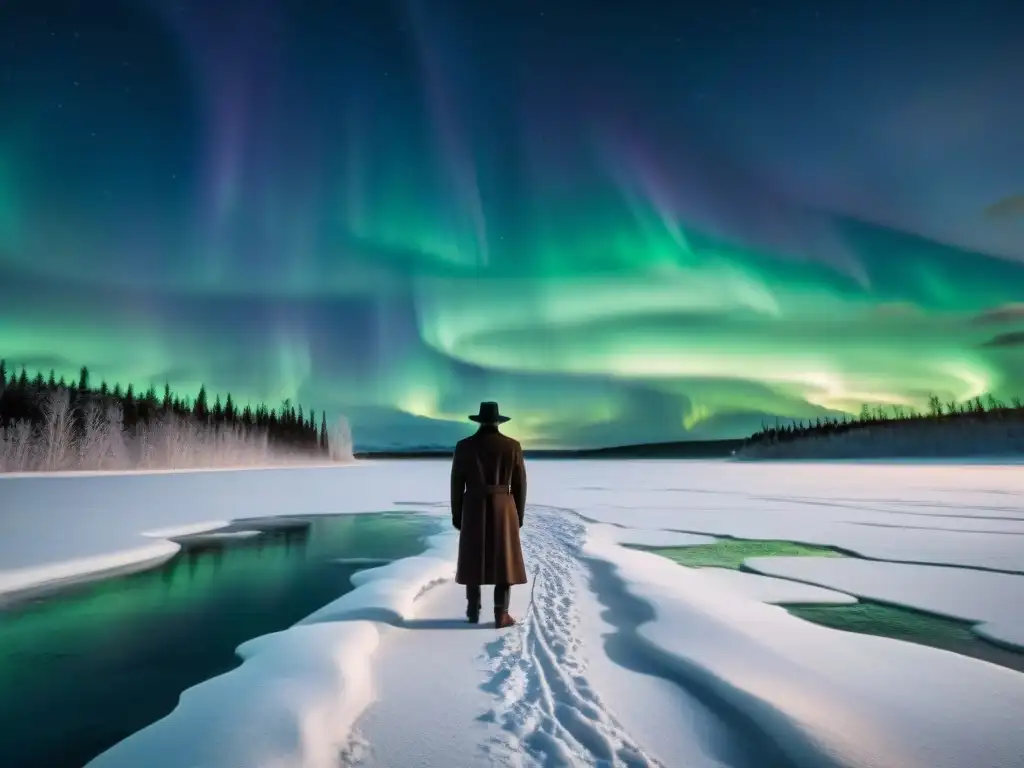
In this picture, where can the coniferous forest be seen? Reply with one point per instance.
(51, 424)
(977, 427)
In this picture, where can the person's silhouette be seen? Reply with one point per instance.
(488, 503)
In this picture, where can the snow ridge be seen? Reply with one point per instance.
(547, 710)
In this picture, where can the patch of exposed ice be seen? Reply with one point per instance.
(995, 600)
(763, 588)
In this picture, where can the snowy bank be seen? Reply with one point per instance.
(292, 701)
(298, 692)
(25, 580)
(826, 697)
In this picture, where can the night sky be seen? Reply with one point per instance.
(625, 221)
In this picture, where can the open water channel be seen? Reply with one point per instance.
(86, 666)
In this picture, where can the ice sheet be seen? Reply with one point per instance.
(58, 520)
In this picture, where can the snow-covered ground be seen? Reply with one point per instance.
(622, 656)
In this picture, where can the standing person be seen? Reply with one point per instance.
(488, 502)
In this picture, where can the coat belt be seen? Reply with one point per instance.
(496, 490)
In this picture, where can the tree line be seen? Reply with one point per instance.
(24, 397)
(988, 410)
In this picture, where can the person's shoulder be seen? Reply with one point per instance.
(512, 443)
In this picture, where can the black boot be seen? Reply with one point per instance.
(472, 604)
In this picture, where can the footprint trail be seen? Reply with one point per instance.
(548, 713)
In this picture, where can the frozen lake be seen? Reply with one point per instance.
(90, 664)
(623, 657)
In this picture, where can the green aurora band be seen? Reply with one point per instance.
(400, 257)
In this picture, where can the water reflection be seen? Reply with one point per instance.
(82, 669)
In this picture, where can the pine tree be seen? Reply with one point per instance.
(129, 409)
(229, 409)
(200, 411)
(167, 403)
(52, 381)
(38, 382)
(3, 374)
(218, 411)
(323, 432)
(83, 380)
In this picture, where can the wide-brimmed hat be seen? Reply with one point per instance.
(488, 414)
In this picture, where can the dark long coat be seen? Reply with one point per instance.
(488, 502)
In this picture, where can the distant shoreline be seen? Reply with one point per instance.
(683, 449)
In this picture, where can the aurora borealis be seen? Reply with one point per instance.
(633, 224)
